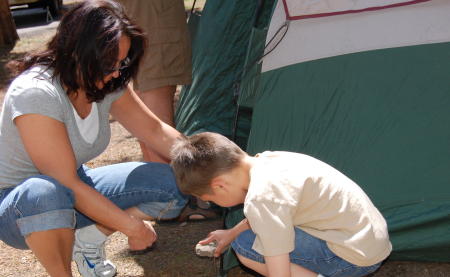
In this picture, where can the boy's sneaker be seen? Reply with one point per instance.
(91, 259)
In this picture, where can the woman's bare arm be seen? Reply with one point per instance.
(47, 143)
(134, 115)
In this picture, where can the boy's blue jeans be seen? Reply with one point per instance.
(41, 203)
(310, 252)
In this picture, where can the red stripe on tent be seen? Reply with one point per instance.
(297, 17)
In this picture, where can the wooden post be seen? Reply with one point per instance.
(8, 32)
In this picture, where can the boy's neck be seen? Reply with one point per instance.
(246, 165)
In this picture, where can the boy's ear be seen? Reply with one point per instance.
(218, 183)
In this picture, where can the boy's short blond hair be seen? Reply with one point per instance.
(199, 158)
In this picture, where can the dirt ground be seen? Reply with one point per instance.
(173, 253)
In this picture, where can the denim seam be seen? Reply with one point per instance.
(312, 260)
(17, 210)
(137, 192)
(327, 259)
(367, 269)
(302, 260)
(330, 259)
(168, 195)
(341, 270)
(169, 206)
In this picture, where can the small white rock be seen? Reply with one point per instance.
(206, 250)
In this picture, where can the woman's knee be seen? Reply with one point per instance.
(151, 187)
(130, 177)
(39, 203)
(41, 193)
(155, 182)
(156, 175)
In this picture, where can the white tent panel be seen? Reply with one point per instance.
(296, 8)
(316, 38)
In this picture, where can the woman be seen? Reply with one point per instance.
(54, 119)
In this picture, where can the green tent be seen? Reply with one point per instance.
(364, 87)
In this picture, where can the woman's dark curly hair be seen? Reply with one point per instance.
(86, 45)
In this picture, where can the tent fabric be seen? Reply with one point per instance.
(385, 126)
(324, 37)
(208, 104)
(378, 113)
(296, 10)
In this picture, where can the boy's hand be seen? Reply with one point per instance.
(223, 238)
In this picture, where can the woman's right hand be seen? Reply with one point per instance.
(142, 237)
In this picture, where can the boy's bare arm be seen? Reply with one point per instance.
(278, 265)
(225, 237)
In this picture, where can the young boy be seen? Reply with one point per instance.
(305, 218)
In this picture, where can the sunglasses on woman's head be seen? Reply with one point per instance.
(124, 64)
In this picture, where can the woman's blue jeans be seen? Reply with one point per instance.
(41, 203)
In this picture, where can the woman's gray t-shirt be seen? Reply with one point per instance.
(36, 92)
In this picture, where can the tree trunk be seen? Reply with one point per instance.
(8, 33)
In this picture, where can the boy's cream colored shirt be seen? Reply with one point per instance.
(290, 189)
